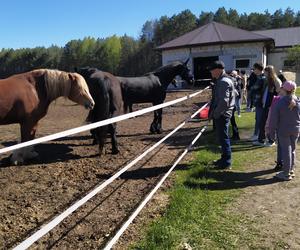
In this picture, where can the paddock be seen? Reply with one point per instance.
(69, 167)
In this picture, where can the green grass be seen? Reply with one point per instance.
(199, 210)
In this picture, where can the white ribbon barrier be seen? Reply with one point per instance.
(97, 124)
(46, 228)
(150, 195)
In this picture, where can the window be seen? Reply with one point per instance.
(242, 63)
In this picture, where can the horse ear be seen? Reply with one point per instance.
(72, 77)
(185, 63)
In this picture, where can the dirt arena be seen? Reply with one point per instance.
(70, 167)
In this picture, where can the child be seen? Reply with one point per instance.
(267, 129)
(285, 121)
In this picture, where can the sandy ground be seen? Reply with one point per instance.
(70, 167)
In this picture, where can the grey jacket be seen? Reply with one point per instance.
(223, 99)
(283, 120)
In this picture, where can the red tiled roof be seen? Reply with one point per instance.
(214, 33)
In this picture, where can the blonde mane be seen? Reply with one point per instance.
(57, 83)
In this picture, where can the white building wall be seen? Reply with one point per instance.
(255, 52)
(276, 58)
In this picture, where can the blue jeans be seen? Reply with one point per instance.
(238, 105)
(222, 129)
(258, 117)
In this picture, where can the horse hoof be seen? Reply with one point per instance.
(152, 130)
(17, 162)
(115, 151)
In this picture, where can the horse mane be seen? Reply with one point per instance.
(57, 83)
(170, 65)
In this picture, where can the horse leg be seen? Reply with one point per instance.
(112, 131)
(28, 130)
(154, 123)
(94, 136)
(101, 138)
(159, 121)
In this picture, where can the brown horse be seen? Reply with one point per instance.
(25, 98)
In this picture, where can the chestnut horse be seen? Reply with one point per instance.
(25, 98)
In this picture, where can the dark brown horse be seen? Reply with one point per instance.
(152, 88)
(106, 91)
(25, 98)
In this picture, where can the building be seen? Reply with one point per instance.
(284, 38)
(237, 48)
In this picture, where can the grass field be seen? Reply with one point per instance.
(199, 215)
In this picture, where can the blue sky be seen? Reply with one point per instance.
(32, 23)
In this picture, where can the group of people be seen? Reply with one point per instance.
(277, 112)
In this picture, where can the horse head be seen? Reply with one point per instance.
(79, 91)
(185, 73)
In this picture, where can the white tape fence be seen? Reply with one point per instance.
(49, 226)
(97, 124)
(114, 240)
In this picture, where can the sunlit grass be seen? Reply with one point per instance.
(198, 214)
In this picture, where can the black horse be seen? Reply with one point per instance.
(107, 94)
(152, 88)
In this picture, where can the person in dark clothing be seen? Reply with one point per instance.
(257, 95)
(281, 76)
(270, 89)
(251, 80)
(237, 92)
(222, 104)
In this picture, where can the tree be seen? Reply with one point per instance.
(129, 47)
(205, 18)
(294, 56)
(288, 18)
(148, 30)
(221, 16)
(233, 17)
(243, 21)
(297, 19)
(277, 19)
(112, 48)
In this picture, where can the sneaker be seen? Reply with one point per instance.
(239, 116)
(284, 177)
(292, 173)
(254, 138)
(269, 144)
(224, 167)
(258, 143)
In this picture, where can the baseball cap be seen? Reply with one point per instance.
(216, 65)
(289, 86)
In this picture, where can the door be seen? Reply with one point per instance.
(200, 67)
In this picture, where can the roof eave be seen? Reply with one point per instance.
(215, 43)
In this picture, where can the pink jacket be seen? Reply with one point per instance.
(275, 100)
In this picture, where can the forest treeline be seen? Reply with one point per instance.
(130, 56)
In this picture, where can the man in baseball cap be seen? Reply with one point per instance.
(216, 65)
(221, 108)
